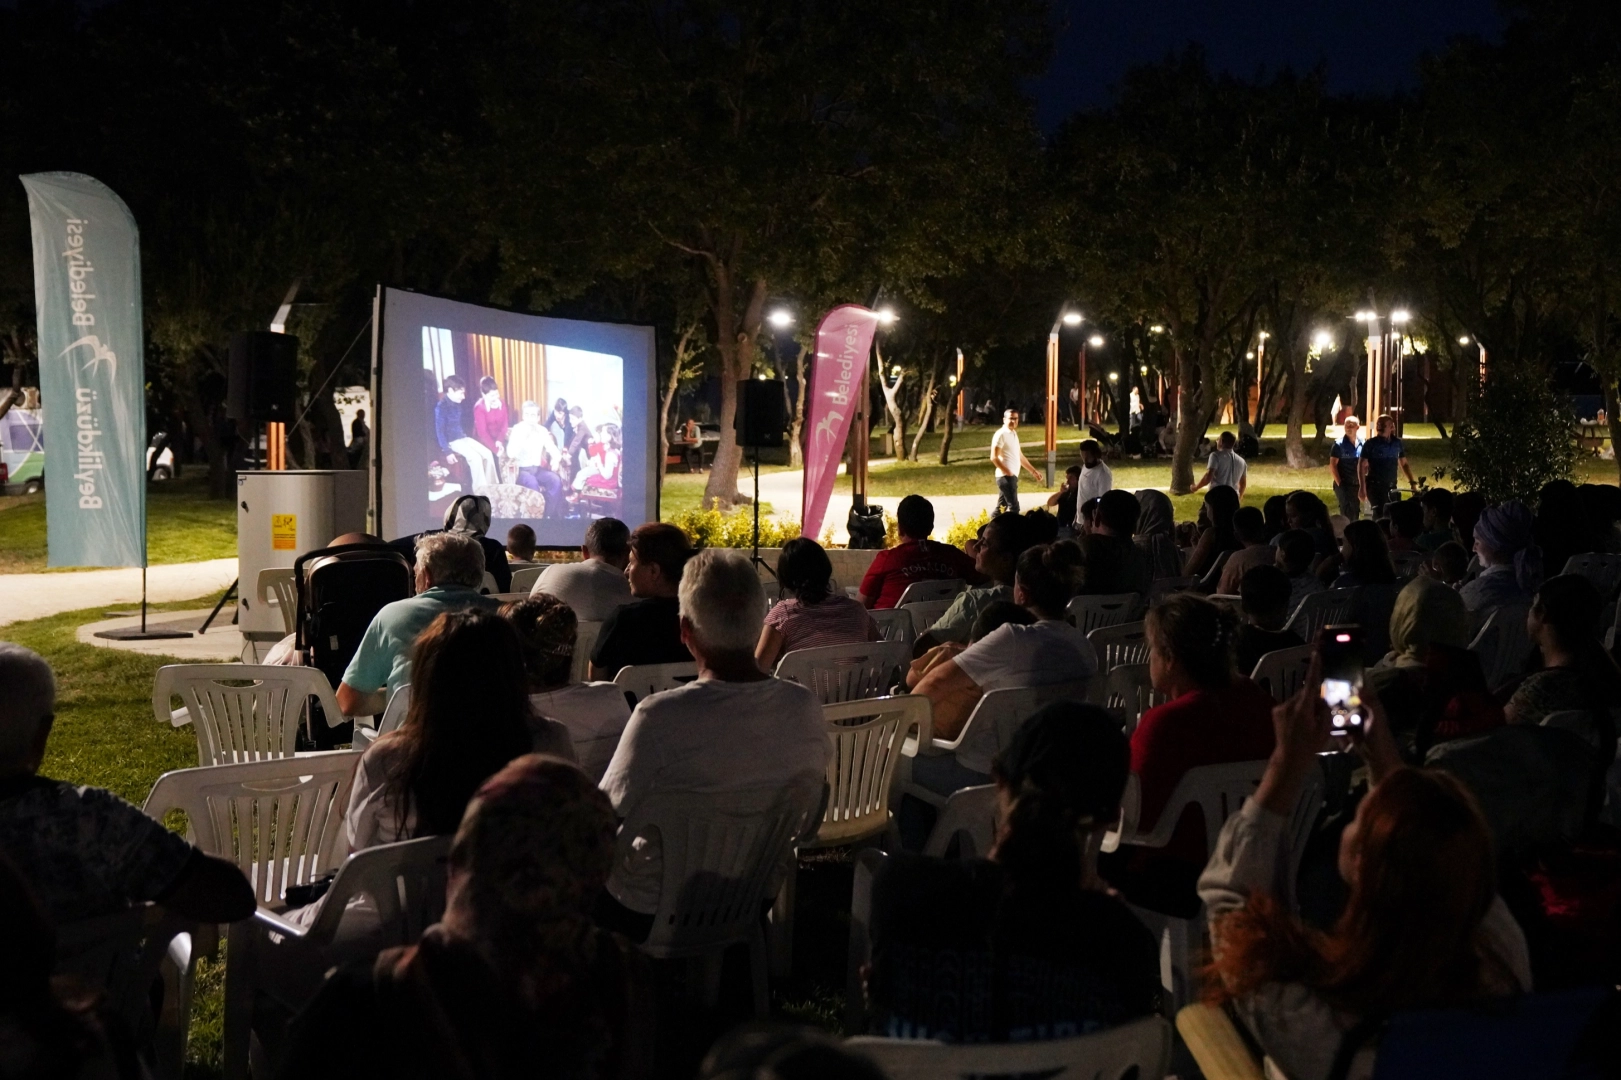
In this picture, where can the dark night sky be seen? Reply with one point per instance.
(1368, 46)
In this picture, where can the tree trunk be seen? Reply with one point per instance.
(926, 407)
(736, 335)
(897, 419)
(796, 422)
(1294, 444)
(1188, 428)
(665, 400)
(951, 424)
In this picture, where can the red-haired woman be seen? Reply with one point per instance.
(1423, 927)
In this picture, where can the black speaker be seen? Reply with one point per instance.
(263, 376)
(760, 419)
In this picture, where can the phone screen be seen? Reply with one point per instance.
(1341, 648)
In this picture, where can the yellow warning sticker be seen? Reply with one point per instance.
(283, 532)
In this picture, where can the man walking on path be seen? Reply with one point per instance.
(1345, 469)
(1007, 457)
(1225, 467)
(1096, 479)
(1381, 456)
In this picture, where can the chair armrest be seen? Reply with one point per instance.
(277, 923)
(1216, 1044)
(1130, 810)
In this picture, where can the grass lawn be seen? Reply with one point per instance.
(183, 525)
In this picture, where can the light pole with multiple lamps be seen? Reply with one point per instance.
(1065, 318)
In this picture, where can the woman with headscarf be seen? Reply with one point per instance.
(1432, 686)
(1510, 560)
(1217, 535)
(516, 979)
(1156, 534)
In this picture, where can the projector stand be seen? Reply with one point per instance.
(141, 633)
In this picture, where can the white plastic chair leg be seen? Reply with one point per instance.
(780, 922)
(238, 1033)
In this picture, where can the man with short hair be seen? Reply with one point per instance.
(1095, 481)
(996, 555)
(1008, 457)
(1382, 455)
(594, 587)
(453, 437)
(85, 851)
(449, 571)
(1345, 469)
(1294, 553)
(1249, 525)
(520, 546)
(1113, 564)
(1264, 593)
(734, 729)
(1224, 468)
(915, 558)
(1437, 529)
(647, 630)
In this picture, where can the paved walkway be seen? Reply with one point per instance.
(34, 596)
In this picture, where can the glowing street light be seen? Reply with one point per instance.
(1156, 329)
(1367, 316)
(1095, 340)
(887, 316)
(780, 318)
(1464, 340)
(1143, 370)
(1250, 355)
(1114, 376)
(1323, 339)
(1399, 316)
(1073, 318)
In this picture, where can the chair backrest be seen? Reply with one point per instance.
(255, 719)
(1165, 586)
(895, 624)
(998, 716)
(1218, 790)
(969, 817)
(399, 703)
(640, 680)
(1212, 576)
(489, 585)
(1526, 1037)
(524, 580)
(865, 669)
(1120, 643)
(939, 589)
(280, 821)
(1318, 609)
(585, 640)
(1603, 569)
(1282, 671)
(276, 585)
(120, 955)
(1502, 644)
(1139, 1049)
(406, 885)
(1088, 613)
(1127, 692)
(721, 853)
(1406, 563)
(867, 737)
(925, 613)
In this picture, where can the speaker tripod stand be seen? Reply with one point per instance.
(755, 558)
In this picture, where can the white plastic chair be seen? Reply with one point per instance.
(399, 703)
(403, 891)
(991, 727)
(922, 591)
(1212, 576)
(585, 640)
(969, 817)
(1121, 643)
(1127, 692)
(276, 586)
(723, 854)
(280, 820)
(1318, 610)
(524, 580)
(640, 680)
(868, 738)
(925, 613)
(1088, 613)
(242, 723)
(895, 624)
(1603, 569)
(489, 587)
(1139, 1049)
(1407, 563)
(1502, 644)
(833, 673)
(1282, 672)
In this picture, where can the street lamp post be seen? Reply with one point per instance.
(1065, 318)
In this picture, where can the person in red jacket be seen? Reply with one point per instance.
(1215, 716)
(915, 558)
(490, 418)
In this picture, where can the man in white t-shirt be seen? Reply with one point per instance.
(1096, 479)
(595, 586)
(735, 729)
(1225, 468)
(1008, 458)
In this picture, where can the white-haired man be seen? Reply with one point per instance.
(734, 729)
(84, 850)
(449, 570)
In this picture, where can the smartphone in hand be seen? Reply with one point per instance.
(1341, 649)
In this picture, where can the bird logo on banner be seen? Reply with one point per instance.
(98, 353)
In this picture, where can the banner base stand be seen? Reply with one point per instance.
(135, 633)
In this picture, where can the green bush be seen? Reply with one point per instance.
(711, 528)
(961, 532)
(1516, 435)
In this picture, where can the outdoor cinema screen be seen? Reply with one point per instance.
(549, 418)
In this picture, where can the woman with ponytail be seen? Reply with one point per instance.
(1027, 943)
(1214, 716)
(812, 612)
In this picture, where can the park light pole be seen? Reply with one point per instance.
(1260, 362)
(863, 419)
(1050, 427)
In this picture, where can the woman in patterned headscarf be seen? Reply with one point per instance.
(516, 980)
(1511, 562)
(1156, 534)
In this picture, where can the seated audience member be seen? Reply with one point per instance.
(1214, 716)
(995, 614)
(1560, 527)
(1436, 528)
(916, 558)
(593, 714)
(1156, 534)
(1057, 952)
(1467, 506)
(1041, 527)
(1216, 530)
(1431, 685)
(1264, 596)
(1450, 564)
(1510, 562)
(1576, 672)
(416, 780)
(595, 587)
(1062, 502)
(810, 614)
(1275, 510)
(468, 515)
(734, 729)
(996, 556)
(515, 980)
(1046, 652)
(1111, 563)
(449, 570)
(1295, 554)
(647, 630)
(83, 850)
(1308, 513)
(1085, 515)
(1406, 524)
(520, 546)
(1364, 557)
(1423, 927)
(1250, 528)
(1601, 509)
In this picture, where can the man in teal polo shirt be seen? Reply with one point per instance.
(449, 570)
